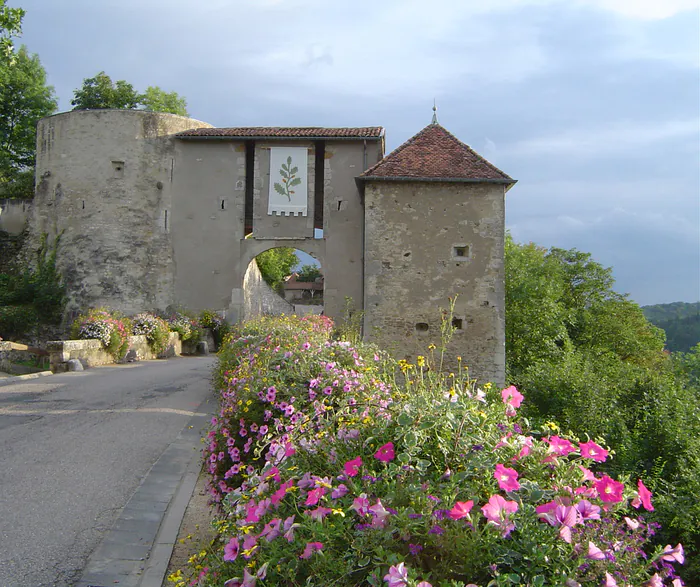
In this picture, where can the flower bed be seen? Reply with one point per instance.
(154, 329)
(334, 465)
(110, 328)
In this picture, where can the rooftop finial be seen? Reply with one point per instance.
(435, 120)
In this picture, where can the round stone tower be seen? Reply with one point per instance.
(103, 184)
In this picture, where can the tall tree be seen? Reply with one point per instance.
(100, 92)
(24, 99)
(276, 264)
(10, 26)
(158, 100)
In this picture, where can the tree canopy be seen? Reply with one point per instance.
(309, 273)
(24, 99)
(100, 92)
(585, 357)
(276, 264)
(10, 26)
(158, 100)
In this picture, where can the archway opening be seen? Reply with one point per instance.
(292, 282)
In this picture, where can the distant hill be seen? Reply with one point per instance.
(680, 320)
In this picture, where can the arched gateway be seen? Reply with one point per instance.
(158, 209)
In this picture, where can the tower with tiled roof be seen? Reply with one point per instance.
(434, 230)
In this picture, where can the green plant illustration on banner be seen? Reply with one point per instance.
(289, 179)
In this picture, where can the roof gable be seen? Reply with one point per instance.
(434, 154)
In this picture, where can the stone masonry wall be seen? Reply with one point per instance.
(104, 180)
(258, 297)
(427, 242)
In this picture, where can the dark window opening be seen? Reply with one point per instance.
(457, 323)
(460, 251)
(118, 169)
(249, 172)
(165, 223)
(422, 327)
(319, 185)
(223, 204)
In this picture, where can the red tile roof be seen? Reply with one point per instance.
(274, 132)
(434, 154)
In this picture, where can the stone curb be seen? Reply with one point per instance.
(137, 549)
(15, 378)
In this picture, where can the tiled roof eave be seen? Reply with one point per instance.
(272, 138)
(507, 181)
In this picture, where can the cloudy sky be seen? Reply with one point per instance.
(593, 105)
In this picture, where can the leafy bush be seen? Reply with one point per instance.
(37, 294)
(16, 321)
(334, 465)
(218, 326)
(186, 326)
(109, 327)
(154, 329)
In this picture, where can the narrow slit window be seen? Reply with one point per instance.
(118, 169)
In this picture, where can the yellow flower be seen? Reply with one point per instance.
(420, 361)
(338, 512)
(431, 347)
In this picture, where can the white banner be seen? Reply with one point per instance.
(288, 186)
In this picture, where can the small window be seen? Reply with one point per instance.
(460, 251)
(118, 169)
(422, 327)
(457, 323)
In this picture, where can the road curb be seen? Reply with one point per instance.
(137, 550)
(15, 378)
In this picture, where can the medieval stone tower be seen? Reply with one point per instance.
(156, 209)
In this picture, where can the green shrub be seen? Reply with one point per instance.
(186, 326)
(17, 321)
(218, 326)
(154, 329)
(109, 327)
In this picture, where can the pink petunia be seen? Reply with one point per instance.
(352, 467)
(512, 396)
(496, 512)
(231, 550)
(310, 549)
(313, 497)
(631, 524)
(379, 514)
(674, 554)
(644, 496)
(397, 576)
(461, 509)
(385, 453)
(559, 446)
(507, 478)
(594, 553)
(587, 510)
(655, 581)
(587, 473)
(361, 505)
(609, 581)
(593, 451)
(609, 490)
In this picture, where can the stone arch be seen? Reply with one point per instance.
(254, 296)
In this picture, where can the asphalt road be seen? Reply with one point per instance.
(74, 447)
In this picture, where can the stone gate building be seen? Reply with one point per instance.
(157, 210)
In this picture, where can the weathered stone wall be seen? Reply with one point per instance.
(91, 353)
(426, 242)
(104, 177)
(258, 298)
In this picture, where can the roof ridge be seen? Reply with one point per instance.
(398, 149)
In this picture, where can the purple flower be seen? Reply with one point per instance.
(339, 491)
(231, 550)
(414, 549)
(436, 530)
(310, 548)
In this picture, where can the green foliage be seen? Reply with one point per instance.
(16, 321)
(40, 288)
(276, 264)
(309, 273)
(157, 100)
(587, 357)
(111, 328)
(155, 330)
(10, 26)
(24, 99)
(680, 321)
(185, 324)
(100, 92)
(218, 326)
